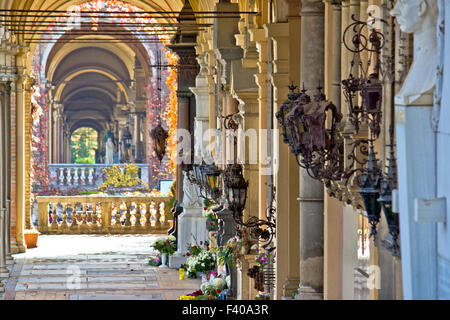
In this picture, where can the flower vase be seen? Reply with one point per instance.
(163, 260)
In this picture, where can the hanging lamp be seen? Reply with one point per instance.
(158, 133)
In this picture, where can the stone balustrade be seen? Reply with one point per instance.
(85, 176)
(102, 214)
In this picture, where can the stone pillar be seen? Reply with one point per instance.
(4, 273)
(7, 103)
(416, 155)
(20, 150)
(201, 92)
(333, 208)
(286, 39)
(259, 36)
(183, 44)
(311, 190)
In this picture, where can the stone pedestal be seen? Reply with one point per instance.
(416, 154)
(192, 229)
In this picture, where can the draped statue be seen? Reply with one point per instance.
(109, 147)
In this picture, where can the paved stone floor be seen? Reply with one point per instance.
(93, 267)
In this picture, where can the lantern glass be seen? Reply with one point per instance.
(372, 95)
(372, 206)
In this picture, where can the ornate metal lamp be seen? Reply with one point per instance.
(159, 134)
(213, 182)
(127, 139)
(235, 188)
(387, 185)
(369, 190)
(368, 86)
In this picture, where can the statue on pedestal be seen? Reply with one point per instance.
(109, 147)
(191, 197)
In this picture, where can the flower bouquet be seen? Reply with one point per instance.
(166, 247)
(200, 259)
(227, 254)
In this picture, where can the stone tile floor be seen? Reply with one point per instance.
(93, 267)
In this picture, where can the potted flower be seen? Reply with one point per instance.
(166, 246)
(31, 238)
(201, 260)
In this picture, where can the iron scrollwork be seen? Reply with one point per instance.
(365, 85)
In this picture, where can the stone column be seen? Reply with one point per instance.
(183, 44)
(333, 208)
(7, 103)
(201, 92)
(4, 272)
(20, 150)
(311, 190)
(286, 39)
(259, 36)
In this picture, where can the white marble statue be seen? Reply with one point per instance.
(109, 151)
(419, 17)
(191, 197)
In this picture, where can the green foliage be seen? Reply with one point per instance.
(118, 179)
(82, 144)
(85, 160)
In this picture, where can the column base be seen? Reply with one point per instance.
(308, 293)
(290, 286)
(4, 274)
(176, 260)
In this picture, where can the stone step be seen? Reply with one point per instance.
(83, 286)
(104, 296)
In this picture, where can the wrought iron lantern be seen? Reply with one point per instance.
(370, 190)
(159, 138)
(212, 181)
(367, 86)
(127, 140)
(235, 188)
(318, 149)
(387, 185)
(159, 134)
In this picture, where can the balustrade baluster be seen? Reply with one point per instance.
(64, 216)
(54, 224)
(118, 214)
(91, 176)
(83, 176)
(75, 213)
(158, 214)
(75, 177)
(94, 215)
(165, 210)
(128, 213)
(137, 214)
(148, 215)
(84, 213)
(61, 176)
(69, 177)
